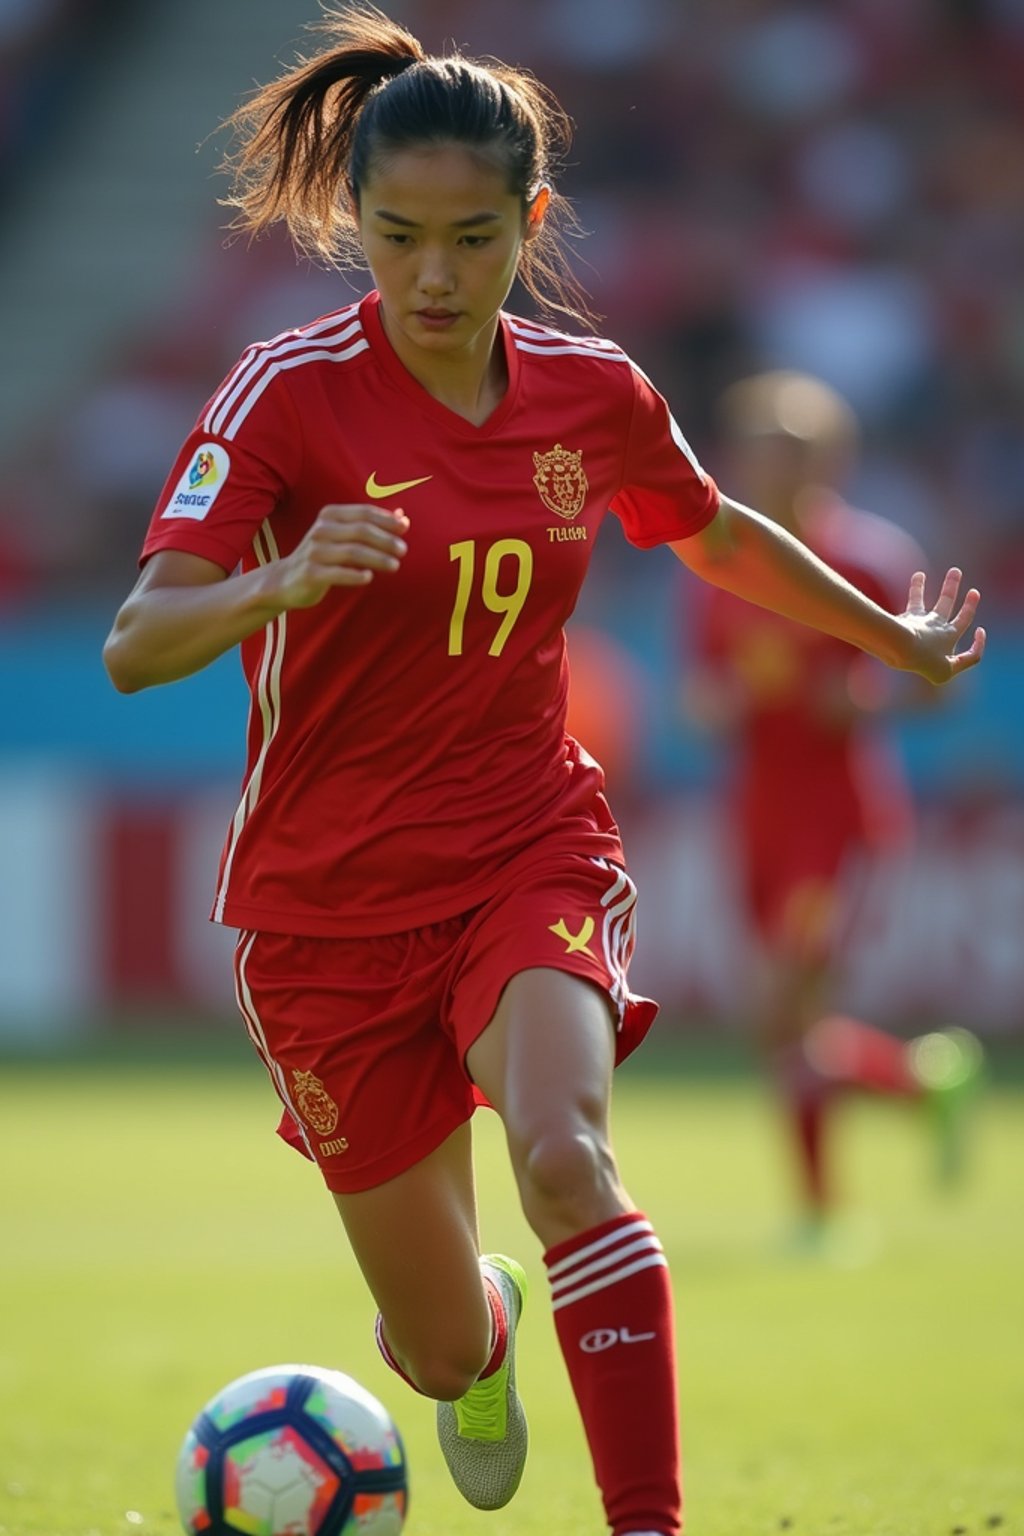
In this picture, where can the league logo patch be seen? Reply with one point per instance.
(198, 488)
(314, 1103)
(203, 470)
(561, 480)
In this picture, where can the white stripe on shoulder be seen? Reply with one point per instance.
(259, 348)
(331, 329)
(313, 355)
(529, 337)
(684, 447)
(674, 427)
(533, 331)
(549, 350)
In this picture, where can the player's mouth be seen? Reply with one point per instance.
(437, 319)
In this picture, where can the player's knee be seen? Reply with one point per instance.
(446, 1375)
(566, 1170)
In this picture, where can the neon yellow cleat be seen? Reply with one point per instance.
(483, 1435)
(950, 1066)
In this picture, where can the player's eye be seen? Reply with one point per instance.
(394, 239)
(475, 242)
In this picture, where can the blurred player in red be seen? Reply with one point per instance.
(391, 510)
(817, 784)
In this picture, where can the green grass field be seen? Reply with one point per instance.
(157, 1241)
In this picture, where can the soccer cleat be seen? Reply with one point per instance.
(483, 1435)
(949, 1065)
(847, 1241)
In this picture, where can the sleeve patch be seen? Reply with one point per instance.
(200, 485)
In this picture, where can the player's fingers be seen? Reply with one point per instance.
(915, 597)
(313, 570)
(346, 576)
(333, 542)
(969, 658)
(965, 618)
(356, 555)
(349, 514)
(946, 600)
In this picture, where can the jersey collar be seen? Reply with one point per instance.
(387, 358)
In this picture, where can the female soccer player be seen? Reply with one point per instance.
(815, 784)
(392, 510)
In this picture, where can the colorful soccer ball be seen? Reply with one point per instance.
(292, 1450)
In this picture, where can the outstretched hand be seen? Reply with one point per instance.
(938, 631)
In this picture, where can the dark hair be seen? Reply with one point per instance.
(307, 141)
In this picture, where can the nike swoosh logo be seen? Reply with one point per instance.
(379, 492)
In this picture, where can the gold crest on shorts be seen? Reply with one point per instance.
(314, 1103)
(561, 480)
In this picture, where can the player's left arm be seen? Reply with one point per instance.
(750, 555)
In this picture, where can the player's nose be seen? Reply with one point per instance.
(435, 277)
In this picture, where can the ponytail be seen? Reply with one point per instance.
(296, 133)
(306, 142)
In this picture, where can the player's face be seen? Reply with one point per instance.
(442, 234)
(770, 473)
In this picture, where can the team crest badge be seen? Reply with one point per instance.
(561, 480)
(314, 1103)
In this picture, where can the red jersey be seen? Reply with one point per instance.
(407, 739)
(799, 759)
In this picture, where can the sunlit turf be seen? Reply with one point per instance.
(157, 1241)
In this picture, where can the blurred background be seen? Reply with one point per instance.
(836, 188)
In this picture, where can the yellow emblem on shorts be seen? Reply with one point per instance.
(561, 480)
(575, 943)
(314, 1103)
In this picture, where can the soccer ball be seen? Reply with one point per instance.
(292, 1450)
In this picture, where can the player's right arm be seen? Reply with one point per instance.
(185, 610)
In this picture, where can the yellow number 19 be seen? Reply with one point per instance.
(508, 604)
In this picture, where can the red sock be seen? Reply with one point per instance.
(808, 1117)
(807, 1105)
(613, 1314)
(854, 1055)
(387, 1356)
(499, 1329)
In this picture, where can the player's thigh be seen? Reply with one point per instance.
(545, 1061)
(540, 1008)
(546, 1056)
(415, 1239)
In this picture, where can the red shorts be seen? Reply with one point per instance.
(365, 1039)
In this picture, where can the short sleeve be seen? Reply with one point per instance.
(232, 471)
(665, 495)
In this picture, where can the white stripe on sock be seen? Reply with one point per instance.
(646, 1244)
(571, 1260)
(648, 1261)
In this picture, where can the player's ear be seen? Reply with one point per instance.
(536, 211)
